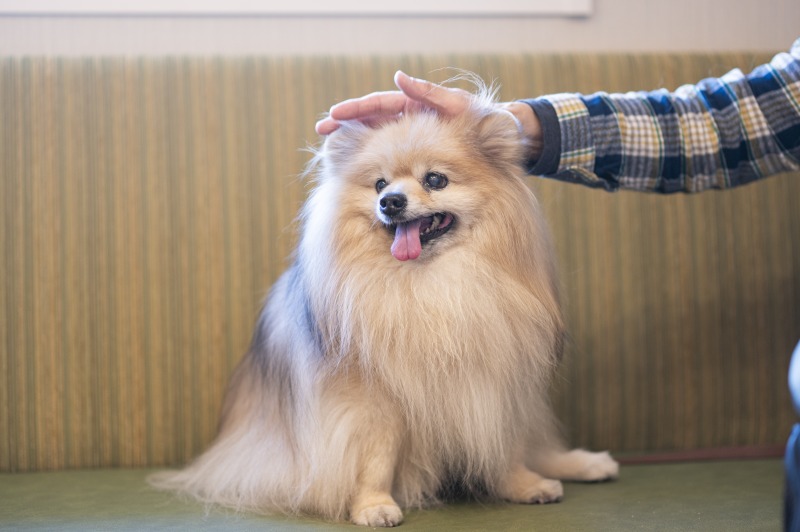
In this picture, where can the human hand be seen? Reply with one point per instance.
(416, 94)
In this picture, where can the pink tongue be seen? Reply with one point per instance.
(406, 243)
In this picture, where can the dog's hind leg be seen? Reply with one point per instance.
(577, 465)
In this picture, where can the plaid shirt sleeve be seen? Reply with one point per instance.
(722, 132)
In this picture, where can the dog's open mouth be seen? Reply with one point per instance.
(411, 235)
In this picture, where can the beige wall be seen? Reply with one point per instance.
(615, 25)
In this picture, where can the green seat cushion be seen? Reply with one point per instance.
(725, 496)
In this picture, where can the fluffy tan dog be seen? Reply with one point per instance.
(412, 343)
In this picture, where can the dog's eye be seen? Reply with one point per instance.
(435, 180)
(380, 184)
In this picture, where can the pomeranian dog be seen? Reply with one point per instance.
(411, 345)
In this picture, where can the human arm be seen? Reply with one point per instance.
(722, 132)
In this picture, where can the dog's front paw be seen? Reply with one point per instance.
(544, 491)
(385, 515)
(526, 487)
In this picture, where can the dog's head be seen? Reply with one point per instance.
(423, 184)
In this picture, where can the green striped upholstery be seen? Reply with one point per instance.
(146, 205)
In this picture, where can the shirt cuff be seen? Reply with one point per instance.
(547, 163)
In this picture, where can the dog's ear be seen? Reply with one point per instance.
(341, 145)
(499, 138)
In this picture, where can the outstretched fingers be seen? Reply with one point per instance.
(414, 94)
(444, 100)
(371, 108)
(377, 104)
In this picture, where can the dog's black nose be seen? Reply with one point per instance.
(393, 204)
